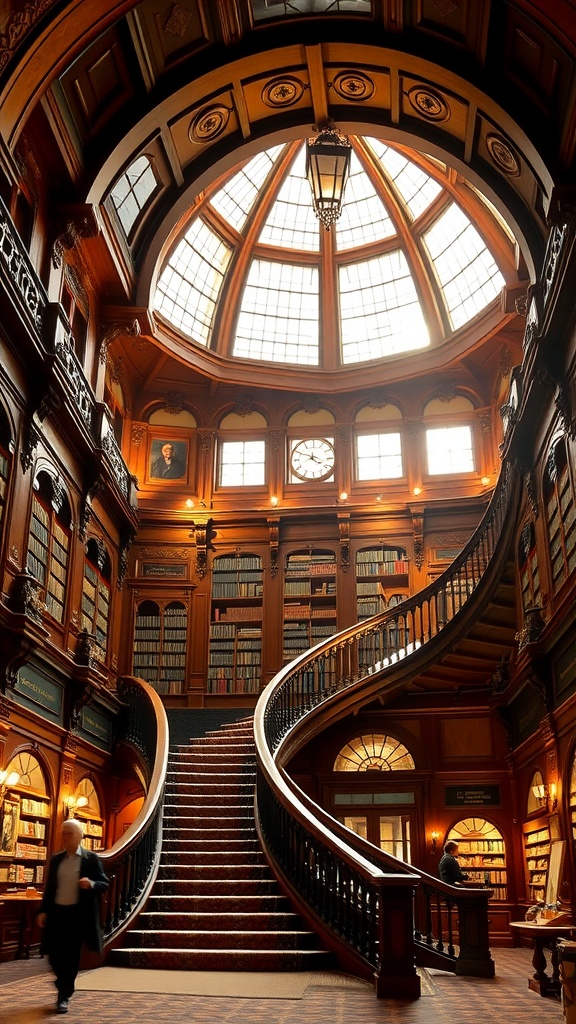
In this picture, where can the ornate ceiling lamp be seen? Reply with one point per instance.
(328, 157)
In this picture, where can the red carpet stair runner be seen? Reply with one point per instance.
(215, 904)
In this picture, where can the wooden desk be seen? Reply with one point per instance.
(545, 936)
(18, 914)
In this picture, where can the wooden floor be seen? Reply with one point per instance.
(27, 996)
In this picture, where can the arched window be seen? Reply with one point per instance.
(96, 592)
(49, 542)
(374, 752)
(132, 191)
(242, 450)
(560, 514)
(450, 440)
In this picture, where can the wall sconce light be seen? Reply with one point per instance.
(7, 780)
(328, 157)
(273, 501)
(553, 796)
(417, 491)
(434, 837)
(189, 503)
(485, 481)
(73, 803)
(378, 497)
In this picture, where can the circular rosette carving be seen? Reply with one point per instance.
(502, 155)
(208, 123)
(428, 104)
(353, 85)
(282, 92)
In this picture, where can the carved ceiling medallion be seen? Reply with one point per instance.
(502, 155)
(282, 92)
(428, 103)
(208, 123)
(353, 85)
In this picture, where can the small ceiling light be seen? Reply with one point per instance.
(327, 168)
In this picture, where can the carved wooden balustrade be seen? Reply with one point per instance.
(330, 873)
(132, 863)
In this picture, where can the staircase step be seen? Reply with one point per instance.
(187, 858)
(217, 904)
(182, 939)
(218, 887)
(213, 872)
(213, 922)
(215, 837)
(221, 959)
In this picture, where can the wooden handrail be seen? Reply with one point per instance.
(132, 862)
(372, 657)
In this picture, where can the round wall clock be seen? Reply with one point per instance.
(312, 458)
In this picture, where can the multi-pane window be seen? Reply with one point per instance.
(560, 514)
(190, 283)
(132, 191)
(378, 456)
(467, 272)
(380, 311)
(235, 200)
(528, 568)
(96, 592)
(279, 313)
(49, 545)
(291, 223)
(364, 217)
(450, 450)
(242, 463)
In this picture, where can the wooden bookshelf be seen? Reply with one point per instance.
(482, 854)
(537, 856)
(310, 609)
(160, 644)
(235, 650)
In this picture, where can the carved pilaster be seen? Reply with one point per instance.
(273, 539)
(78, 224)
(201, 533)
(25, 596)
(137, 434)
(344, 538)
(125, 546)
(418, 535)
(31, 442)
(533, 627)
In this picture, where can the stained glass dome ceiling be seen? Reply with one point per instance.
(416, 257)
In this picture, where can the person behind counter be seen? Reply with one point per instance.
(449, 868)
(69, 913)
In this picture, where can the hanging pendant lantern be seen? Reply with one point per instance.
(328, 157)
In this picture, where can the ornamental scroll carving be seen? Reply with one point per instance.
(274, 538)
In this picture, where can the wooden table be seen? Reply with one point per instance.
(19, 913)
(545, 936)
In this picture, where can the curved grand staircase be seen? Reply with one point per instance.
(219, 898)
(215, 904)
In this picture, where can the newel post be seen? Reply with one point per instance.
(396, 976)
(474, 958)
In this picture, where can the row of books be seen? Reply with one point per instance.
(398, 567)
(233, 685)
(30, 851)
(236, 562)
(380, 555)
(32, 829)
(220, 590)
(239, 614)
(39, 807)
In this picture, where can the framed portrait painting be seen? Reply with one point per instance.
(9, 826)
(168, 460)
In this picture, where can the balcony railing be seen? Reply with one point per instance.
(320, 863)
(132, 863)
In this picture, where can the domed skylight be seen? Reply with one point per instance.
(255, 275)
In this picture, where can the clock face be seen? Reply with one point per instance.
(312, 458)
